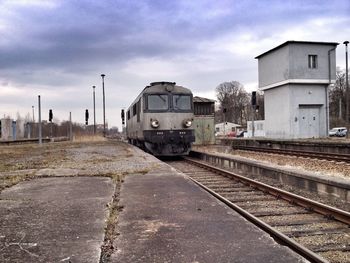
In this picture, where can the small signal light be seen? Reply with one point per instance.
(254, 98)
(50, 115)
(86, 117)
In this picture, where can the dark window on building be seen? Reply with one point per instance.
(312, 61)
(203, 108)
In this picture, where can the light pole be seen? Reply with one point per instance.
(346, 85)
(33, 114)
(104, 113)
(93, 88)
(39, 114)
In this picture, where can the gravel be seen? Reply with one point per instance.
(330, 168)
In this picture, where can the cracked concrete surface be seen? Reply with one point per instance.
(54, 219)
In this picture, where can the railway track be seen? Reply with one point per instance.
(317, 155)
(318, 232)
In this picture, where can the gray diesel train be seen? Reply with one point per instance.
(160, 119)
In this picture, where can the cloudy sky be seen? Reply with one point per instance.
(59, 48)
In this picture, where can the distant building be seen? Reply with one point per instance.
(259, 130)
(295, 77)
(6, 129)
(226, 129)
(203, 121)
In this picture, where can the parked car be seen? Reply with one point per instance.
(338, 131)
(231, 134)
(241, 134)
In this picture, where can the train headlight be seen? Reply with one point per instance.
(188, 123)
(154, 123)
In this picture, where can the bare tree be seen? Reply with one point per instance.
(28, 118)
(337, 101)
(260, 115)
(233, 100)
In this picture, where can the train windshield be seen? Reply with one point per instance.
(158, 102)
(182, 102)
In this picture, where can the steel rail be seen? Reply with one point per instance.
(278, 236)
(318, 155)
(327, 211)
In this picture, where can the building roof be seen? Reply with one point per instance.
(227, 124)
(297, 42)
(200, 99)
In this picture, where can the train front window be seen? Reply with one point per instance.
(182, 102)
(158, 102)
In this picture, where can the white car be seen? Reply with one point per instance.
(338, 131)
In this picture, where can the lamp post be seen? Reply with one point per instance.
(33, 114)
(346, 84)
(93, 88)
(39, 114)
(104, 113)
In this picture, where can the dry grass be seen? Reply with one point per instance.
(89, 138)
(20, 162)
(8, 181)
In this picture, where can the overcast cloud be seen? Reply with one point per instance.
(59, 48)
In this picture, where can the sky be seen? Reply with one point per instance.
(58, 49)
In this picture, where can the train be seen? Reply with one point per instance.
(160, 119)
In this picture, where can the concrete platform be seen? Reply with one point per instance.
(167, 218)
(328, 145)
(54, 219)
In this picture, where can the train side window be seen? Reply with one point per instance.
(128, 114)
(134, 110)
(138, 108)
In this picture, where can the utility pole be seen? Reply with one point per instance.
(70, 127)
(224, 113)
(347, 86)
(39, 124)
(93, 87)
(33, 114)
(254, 109)
(104, 102)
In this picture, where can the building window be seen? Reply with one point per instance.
(312, 61)
(203, 108)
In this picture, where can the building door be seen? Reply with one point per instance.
(309, 121)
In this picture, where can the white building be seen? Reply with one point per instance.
(11, 130)
(259, 130)
(295, 77)
(6, 129)
(226, 128)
